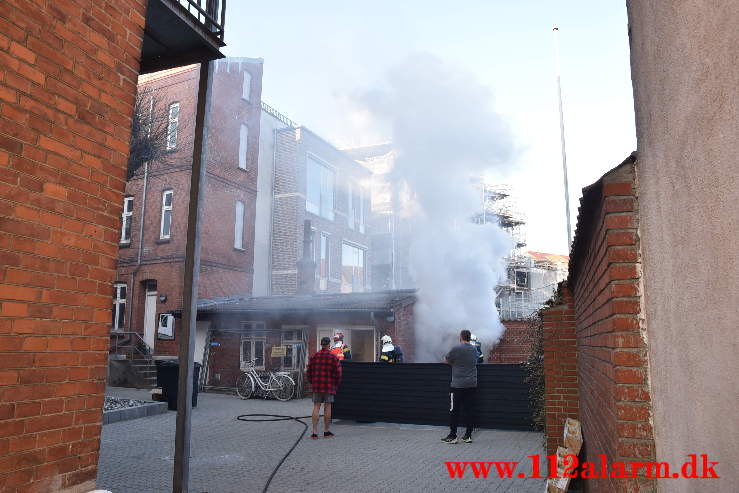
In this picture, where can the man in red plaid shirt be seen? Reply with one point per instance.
(324, 375)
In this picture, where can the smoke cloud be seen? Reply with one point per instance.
(446, 133)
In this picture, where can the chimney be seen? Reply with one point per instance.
(307, 265)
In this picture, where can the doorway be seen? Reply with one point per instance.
(361, 341)
(363, 345)
(150, 317)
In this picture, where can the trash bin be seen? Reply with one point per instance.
(168, 373)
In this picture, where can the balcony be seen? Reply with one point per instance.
(181, 32)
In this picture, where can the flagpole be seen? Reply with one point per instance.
(555, 32)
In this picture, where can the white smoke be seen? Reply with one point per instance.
(446, 132)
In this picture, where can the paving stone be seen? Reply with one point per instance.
(230, 456)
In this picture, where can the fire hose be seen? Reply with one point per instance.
(276, 417)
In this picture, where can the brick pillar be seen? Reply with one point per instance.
(561, 396)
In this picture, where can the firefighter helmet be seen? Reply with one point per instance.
(473, 337)
(386, 339)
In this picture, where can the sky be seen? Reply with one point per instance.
(318, 56)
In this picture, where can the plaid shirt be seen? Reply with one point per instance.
(324, 372)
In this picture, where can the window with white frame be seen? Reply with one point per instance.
(253, 344)
(239, 226)
(174, 118)
(165, 230)
(319, 189)
(243, 145)
(292, 340)
(246, 87)
(119, 306)
(355, 198)
(352, 269)
(126, 219)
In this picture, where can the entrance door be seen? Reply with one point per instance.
(363, 345)
(150, 318)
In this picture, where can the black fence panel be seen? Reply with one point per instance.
(418, 393)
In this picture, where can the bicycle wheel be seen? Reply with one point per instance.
(245, 386)
(285, 388)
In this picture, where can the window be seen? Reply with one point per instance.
(253, 343)
(322, 262)
(174, 117)
(320, 189)
(127, 217)
(239, 226)
(522, 279)
(292, 340)
(243, 145)
(355, 198)
(246, 87)
(252, 349)
(166, 326)
(119, 305)
(352, 269)
(166, 227)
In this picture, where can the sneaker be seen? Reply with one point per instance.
(450, 439)
(467, 439)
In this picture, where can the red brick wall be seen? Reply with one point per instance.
(223, 360)
(612, 368)
(515, 345)
(561, 393)
(67, 83)
(401, 329)
(225, 270)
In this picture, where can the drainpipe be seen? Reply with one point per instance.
(141, 223)
(141, 246)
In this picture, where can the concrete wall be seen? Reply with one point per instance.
(684, 68)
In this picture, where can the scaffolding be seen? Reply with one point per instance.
(531, 277)
(529, 283)
(499, 207)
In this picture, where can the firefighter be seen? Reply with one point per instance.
(339, 349)
(390, 353)
(478, 347)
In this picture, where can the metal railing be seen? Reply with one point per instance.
(210, 13)
(130, 344)
(270, 110)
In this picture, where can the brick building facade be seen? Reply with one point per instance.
(314, 181)
(67, 87)
(151, 267)
(241, 330)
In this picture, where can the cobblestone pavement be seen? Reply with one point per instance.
(229, 456)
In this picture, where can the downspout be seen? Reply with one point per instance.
(141, 223)
(141, 245)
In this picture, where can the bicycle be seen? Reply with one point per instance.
(280, 385)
